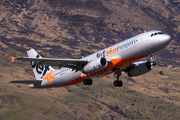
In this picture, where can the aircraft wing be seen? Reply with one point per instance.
(131, 65)
(69, 63)
(27, 81)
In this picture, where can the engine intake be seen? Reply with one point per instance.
(95, 65)
(140, 68)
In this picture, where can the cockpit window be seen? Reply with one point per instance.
(158, 33)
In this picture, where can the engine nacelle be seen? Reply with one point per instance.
(95, 65)
(140, 68)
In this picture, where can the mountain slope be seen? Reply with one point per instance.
(51, 25)
(76, 28)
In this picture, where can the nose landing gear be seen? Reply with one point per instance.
(153, 63)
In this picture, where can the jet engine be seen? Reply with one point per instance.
(140, 68)
(95, 65)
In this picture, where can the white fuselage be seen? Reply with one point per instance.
(129, 50)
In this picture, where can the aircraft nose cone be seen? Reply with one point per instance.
(166, 38)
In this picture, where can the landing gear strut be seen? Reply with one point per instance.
(87, 81)
(153, 63)
(118, 83)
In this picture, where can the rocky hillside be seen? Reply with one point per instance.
(76, 28)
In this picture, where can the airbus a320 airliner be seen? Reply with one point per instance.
(114, 59)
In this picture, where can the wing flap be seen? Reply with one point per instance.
(27, 81)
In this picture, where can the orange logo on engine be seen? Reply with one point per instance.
(49, 76)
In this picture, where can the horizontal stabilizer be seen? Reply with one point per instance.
(27, 82)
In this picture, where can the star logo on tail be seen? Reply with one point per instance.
(49, 76)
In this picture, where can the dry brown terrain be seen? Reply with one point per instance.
(76, 28)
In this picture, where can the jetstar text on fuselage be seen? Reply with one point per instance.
(116, 49)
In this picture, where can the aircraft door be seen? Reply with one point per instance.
(141, 39)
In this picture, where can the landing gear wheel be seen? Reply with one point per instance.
(90, 82)
(87, 81)
(153, 63)
(118, 83)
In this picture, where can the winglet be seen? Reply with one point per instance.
(13, 58)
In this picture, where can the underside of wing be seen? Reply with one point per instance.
(27, 81)
(128, 67)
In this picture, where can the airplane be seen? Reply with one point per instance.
(115, 59)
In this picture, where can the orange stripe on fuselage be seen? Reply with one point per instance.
(121, 63)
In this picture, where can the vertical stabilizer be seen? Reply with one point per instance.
(39, 71)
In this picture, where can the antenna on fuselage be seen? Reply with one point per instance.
(144, 30)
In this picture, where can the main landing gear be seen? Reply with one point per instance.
(118, 83)
(87, 81)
